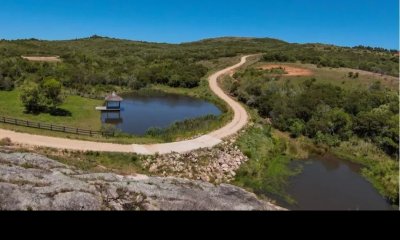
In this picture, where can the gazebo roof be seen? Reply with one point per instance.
(114, 98)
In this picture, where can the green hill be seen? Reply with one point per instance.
(100, 60)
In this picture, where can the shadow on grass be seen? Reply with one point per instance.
(54, 112)
(60, 112)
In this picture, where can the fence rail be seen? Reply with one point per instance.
(51, 127)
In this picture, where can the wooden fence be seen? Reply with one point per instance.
(50, 127)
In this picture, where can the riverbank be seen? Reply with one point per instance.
(378, 168)
(282, 168)
(330, 183)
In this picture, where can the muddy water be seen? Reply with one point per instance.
(329, 183)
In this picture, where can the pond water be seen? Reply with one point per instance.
(141, 111)
(329, 183)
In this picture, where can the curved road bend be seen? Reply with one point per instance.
(239, 120)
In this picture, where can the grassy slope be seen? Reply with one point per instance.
(330, 55)
(337, 76)
(268, 170)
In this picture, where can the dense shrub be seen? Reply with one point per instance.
(326, 113)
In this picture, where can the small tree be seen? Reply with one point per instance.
(350, 74)
(51, 89)
(296, 128)
(32, 98)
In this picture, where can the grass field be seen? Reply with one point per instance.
(83, 113)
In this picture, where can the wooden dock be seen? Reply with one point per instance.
(104, 108)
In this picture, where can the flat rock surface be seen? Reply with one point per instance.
(33, 182)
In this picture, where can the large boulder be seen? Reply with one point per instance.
(33, 182)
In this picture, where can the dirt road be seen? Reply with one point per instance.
(239, 120)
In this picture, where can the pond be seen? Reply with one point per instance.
(141, 111)
(330, 183)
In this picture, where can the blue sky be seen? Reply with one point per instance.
(340, 22)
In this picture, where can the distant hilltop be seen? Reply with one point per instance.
(215, 39)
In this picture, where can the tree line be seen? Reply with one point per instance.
(368, 59)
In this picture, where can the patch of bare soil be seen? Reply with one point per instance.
(291, 71)
(42, 58)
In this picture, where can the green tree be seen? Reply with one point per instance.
(32, 98)
(373, 123)
(51, 89)
(331, 121)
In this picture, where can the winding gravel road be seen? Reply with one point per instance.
(239, 120)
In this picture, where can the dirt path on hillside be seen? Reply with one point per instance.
(239, 120)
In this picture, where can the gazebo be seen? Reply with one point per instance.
(113, 102)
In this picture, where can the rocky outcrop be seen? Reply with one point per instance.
(33, 182)
(216, 165)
